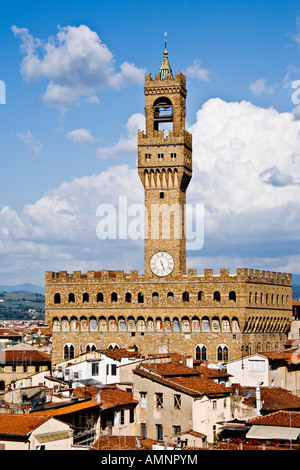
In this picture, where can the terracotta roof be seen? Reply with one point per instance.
(110, 396)
(192, 384)
(118, 354)
(7, 332)
(278, 418)
(116, 397)
(273, 398)
(20, 424)
(43, 329)
(123, 443)
(25, 355)
(285, 355)
(170, 369)
(65, 410)
(212, 373)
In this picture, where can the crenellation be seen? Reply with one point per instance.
(241, 275)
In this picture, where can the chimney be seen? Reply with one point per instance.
(189, 361)
(98, 395)
(258, 399)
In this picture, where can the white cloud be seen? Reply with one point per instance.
(30, 141)
(76, 63)
(125, 144)
(260, 86)
(197, 71)
(80, 136)
(246, 172)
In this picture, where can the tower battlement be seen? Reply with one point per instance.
(174, 137)
(168, 80)
(241, 275)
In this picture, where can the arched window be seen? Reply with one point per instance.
(201, 352)
(128, 297)
(114, 297)
(200, 295)
(163, 112)
(225, 325)
(185, 297)
(205, 325)
(140, 298)
(217, 296)
(99, 297)
(232, 296)
(71, 298)
(222, 353)
(85, 297)
(90, 347)
(57, 298)
(69, 351)
(155, 296)
(170, 296)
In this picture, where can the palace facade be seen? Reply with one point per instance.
(214, 317)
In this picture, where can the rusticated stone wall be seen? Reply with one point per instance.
(216, 313)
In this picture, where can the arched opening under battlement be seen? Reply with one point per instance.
(163, 114)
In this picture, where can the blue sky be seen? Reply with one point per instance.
(74, 76)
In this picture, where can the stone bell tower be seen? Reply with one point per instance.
(165, 169)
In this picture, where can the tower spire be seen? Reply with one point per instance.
(165, 51)
(165, 67)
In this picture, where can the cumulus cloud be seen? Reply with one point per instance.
(80, 136)
(260, 86)
(58, 231)
(125, 144)
(75, 61)
(246, 172)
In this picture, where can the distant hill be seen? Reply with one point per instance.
(296, 286)
(296, 279)
(24, 288)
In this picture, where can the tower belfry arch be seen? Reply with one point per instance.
(168, 158)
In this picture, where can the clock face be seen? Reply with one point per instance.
(162, 263)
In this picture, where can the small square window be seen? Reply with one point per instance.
(159, 400)
(177, 402)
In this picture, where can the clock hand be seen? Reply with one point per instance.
(162, 264)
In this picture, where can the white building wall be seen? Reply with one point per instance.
(249, 371)
(208, 412)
